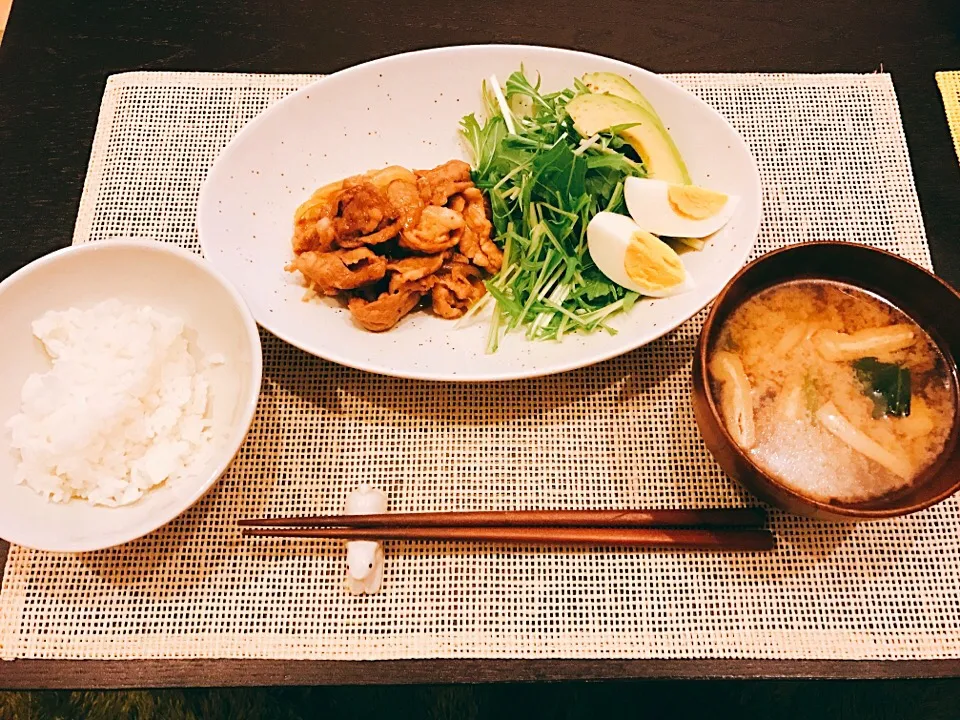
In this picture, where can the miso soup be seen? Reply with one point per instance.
(833, 391)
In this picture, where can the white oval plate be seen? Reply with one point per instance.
(406, 110)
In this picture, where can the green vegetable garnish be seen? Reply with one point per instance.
(887, 384)
(545, 183)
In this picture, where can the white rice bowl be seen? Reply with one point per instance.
(134, 452)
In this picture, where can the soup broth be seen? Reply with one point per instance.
(836, 393)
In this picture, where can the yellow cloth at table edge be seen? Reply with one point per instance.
(949, 83)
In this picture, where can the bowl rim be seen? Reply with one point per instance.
(204, 221)
(236, 437)
(826, 508)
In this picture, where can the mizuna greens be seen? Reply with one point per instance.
(545, 183)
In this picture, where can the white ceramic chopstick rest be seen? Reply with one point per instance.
(365, 557)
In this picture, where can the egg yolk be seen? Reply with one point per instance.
(651, 263)
(695, 202)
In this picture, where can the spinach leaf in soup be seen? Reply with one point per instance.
(887, 384)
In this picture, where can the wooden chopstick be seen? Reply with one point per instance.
(742, 540)
(711, 517)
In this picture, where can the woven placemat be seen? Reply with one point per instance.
(621, 434)
(949, 84)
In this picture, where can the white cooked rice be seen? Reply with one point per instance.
(122, 410)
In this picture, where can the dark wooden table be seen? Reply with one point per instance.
(57, 54)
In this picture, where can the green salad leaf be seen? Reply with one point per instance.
(545, 183)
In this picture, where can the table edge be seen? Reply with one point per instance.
(116, 674)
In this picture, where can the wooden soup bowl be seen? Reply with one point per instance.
(928, 300)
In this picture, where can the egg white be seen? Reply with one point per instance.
(650, 208)
(608, 236)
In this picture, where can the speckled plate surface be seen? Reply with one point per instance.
(406, 110)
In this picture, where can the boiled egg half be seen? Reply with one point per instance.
(680, 211)
(633, 258)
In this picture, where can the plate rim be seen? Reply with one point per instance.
(380, 368)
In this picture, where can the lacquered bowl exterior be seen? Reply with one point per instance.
(933, 304)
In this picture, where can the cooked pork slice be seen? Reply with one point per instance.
(435, 231)
(437, 185)
(339, 270)
(384, 312)
(457, 286)
(475, 241)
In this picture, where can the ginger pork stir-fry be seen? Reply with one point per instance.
(390, 238)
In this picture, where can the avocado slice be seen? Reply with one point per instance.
(613, 84)
(596, 112)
